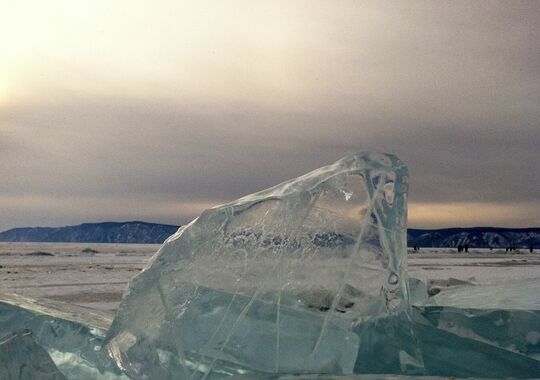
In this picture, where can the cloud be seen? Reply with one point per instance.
(224, 101)
(473, 214)
(48, 208)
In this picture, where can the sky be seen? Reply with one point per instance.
(155, 110)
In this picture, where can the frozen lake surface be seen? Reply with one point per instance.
(96, 275)
(91, 275)
(479, 266)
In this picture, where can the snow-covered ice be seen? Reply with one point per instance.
(64, 272)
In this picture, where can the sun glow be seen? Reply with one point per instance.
(180, 50)
(470, 214)
(3, 90)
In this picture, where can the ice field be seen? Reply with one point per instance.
(63, 272)
(97, 280)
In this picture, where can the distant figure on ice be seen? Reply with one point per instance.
(467, 248)
(531, 249)
(459, 248)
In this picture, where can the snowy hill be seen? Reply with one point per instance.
(107, 232)
(478, 237)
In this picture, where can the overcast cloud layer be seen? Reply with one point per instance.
(155, 111)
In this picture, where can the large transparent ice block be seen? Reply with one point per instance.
(275, 281)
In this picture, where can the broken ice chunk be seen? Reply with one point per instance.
(71, 335)
(275, 281)
(512, 330)
(21, 358)
(418, 291)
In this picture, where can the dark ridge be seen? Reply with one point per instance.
(155, 233)
(106, 232)
(477, 237)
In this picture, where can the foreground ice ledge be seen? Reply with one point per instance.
(454, 342)
(276, 281)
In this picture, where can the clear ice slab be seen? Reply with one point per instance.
(275, 281)
(72, 336)
(21, 358)
(513, 330)
(455, 343)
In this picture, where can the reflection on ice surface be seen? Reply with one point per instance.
(308, 277)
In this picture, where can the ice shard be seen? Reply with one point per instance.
(72, 336)
(21, 358)
(277, 281)
(418, 292)
(455, 343)
(516, 331)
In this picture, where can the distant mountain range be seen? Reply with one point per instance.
(106, 232)
(142, 232)
(479, 237)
